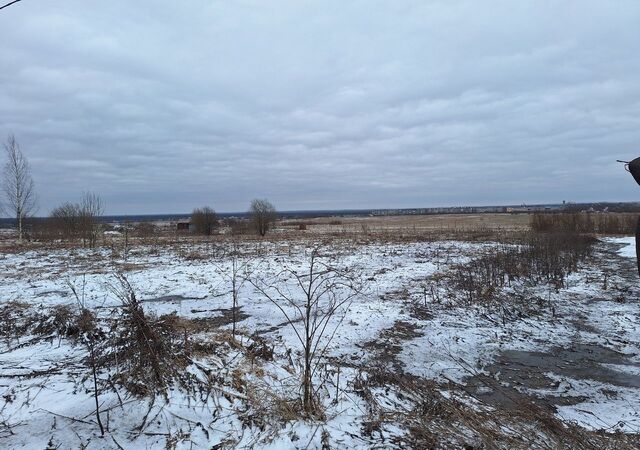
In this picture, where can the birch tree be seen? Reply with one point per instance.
(18, 186)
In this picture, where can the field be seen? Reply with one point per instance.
(428, 332)
(427, 223)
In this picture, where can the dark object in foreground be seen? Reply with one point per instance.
(633, 168)
(638, 245)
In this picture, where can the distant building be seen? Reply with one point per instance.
(183, 226)
(522, 209)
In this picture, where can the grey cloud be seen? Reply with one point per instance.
(163, 106)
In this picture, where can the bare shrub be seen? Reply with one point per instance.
(538, 258)
(324, 292)
(89, 334)
(236, 276)
(145, 230)
(238, 227)
(204, 220)
(77, 221)
(596, 223)
(64, 221)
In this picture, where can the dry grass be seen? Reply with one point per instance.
(594, 223)
(149, 352)
(537, 258)
(16, 318)
(435, 421)
(474, 227)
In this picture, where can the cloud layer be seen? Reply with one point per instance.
(162, 106)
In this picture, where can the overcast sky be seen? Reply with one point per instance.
(163, 106)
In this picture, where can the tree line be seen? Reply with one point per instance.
(262, 217)
(79, 221)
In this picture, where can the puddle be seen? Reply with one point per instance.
(52, 294)
(276, 327)
(171, 299)
(224, 318)
(520, 369)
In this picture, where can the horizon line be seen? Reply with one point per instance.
(356, 210)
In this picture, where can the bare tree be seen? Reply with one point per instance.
(324, 292)
(263, 215)
(204, 220)
(18, 186)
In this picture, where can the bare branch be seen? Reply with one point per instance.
(321, 292)
(9, 4)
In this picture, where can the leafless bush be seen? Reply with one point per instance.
(204, 220)
(91, 208)
(537, 258)
(238, 227)
(595, 223)
(236, 277)
(77, 221)
(89, 334)
(64, 221)
(324, 292)
(145, 230)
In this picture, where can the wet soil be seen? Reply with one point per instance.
(276, 327)
(390, 342)
(225, 317)
(513, 371)
(171, 299)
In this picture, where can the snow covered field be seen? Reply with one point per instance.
(578, 356)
